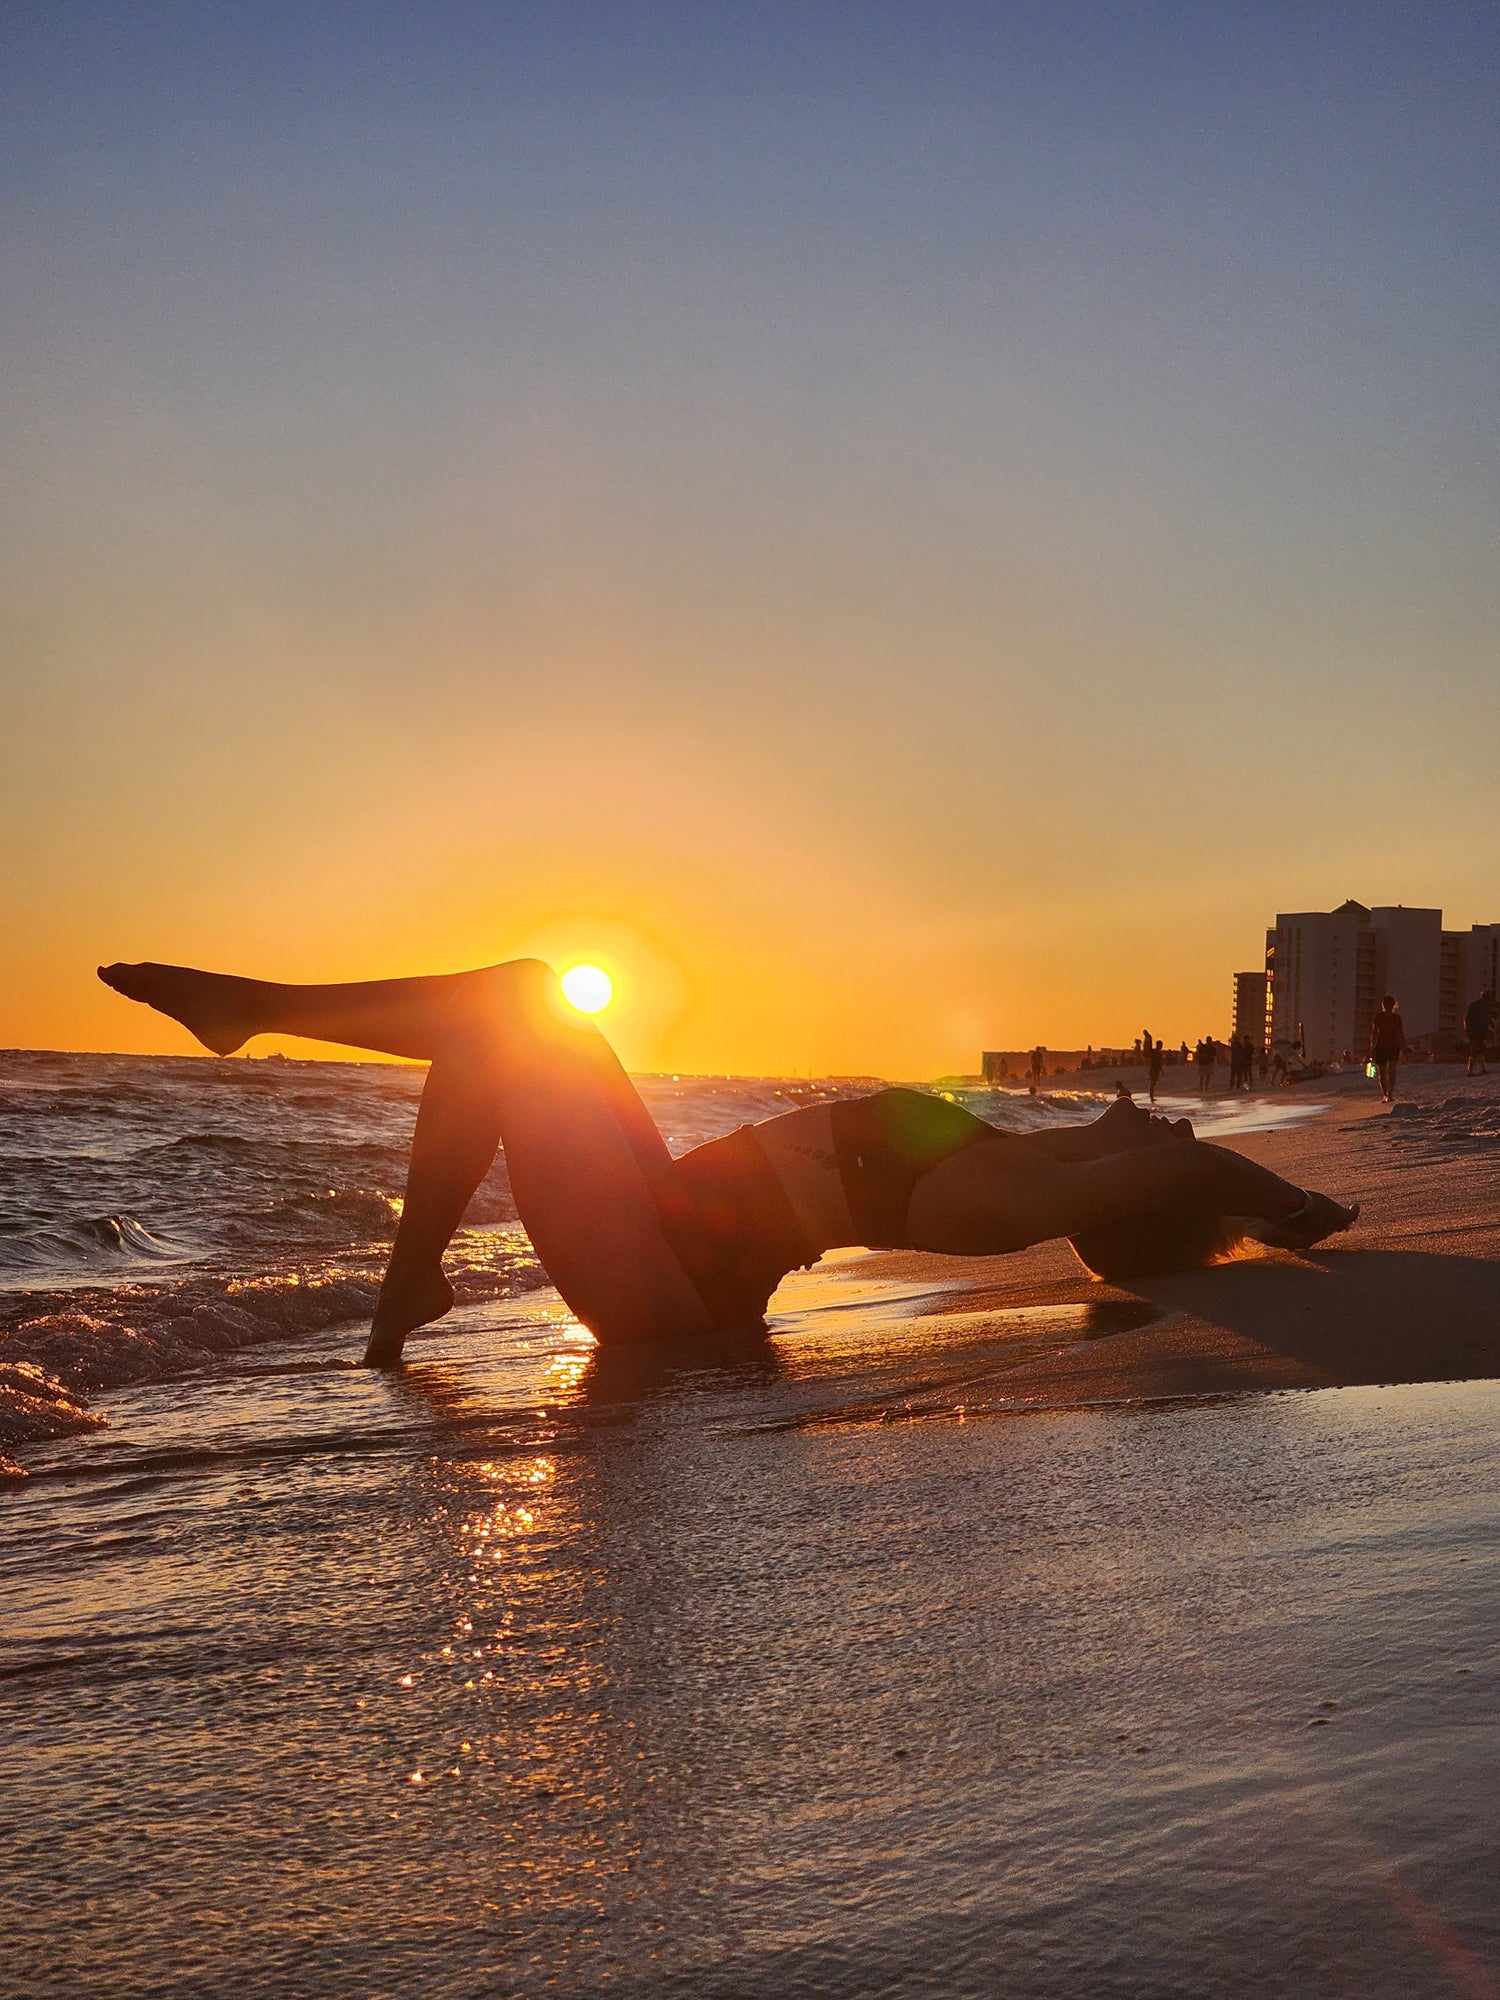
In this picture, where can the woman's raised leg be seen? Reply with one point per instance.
(393, 1017)
(510, 1060)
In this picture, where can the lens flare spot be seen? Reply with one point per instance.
(589, 988)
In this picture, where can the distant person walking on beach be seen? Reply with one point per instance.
(1038, 1065)
(1154, 1065)
(1387, 1045)
(1205, 1059)
(643, 1246)
(1265, 1065)
(1479, 1019)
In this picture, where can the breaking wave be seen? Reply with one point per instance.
(83, 1241)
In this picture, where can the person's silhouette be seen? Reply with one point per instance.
(1479, 1019)
(1387, 1046)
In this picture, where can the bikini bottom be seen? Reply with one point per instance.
(735, 1234)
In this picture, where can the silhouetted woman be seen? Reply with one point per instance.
(1387, 1045)
(642, 1246)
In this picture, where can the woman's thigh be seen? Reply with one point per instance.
(582, 1155)
(592, 1217)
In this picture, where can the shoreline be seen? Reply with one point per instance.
(1412, 1294)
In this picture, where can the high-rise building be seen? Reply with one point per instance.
(1481, 962)
(1326, 971)
(1453, 952)
(1409, 963)
(1322, 966)
(1250, 1006)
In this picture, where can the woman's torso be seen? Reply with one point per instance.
(743, 1210)
(1387, 1035)
(800, 1147)
(848, 1169)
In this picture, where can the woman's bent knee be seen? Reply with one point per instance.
(521, 994)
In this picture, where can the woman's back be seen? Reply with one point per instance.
(1387, 1033)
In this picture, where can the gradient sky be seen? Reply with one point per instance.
(901, 528)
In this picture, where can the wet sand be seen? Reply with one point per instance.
(1412, 1294)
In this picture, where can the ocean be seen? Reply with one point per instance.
(533, 1671)
(157, 1213)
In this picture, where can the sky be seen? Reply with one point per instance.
(898, 528)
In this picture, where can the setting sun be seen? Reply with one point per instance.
(588, 988)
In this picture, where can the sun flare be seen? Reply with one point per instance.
(589, 988)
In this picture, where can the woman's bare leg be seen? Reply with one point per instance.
(452, 1149)
(581, 1175)
(509, 1060)
(413, 1018)
(393, 1017)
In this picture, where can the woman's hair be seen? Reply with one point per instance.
(1389, 1000)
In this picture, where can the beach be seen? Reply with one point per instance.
(986, 1630)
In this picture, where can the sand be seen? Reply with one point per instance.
(1412, 1294)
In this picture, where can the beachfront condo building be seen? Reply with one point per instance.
(1326, 971)
(1482, 969)
(1250, 1006)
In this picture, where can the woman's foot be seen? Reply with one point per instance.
(406, 1302)
(1318, 1217)
(214, 1006)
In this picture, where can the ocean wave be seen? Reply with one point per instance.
(274, 1148)
(119, 1336)
(35, 1405)
(88, 1239)
(144, 1339)
(351, 1213)
(199, 1142)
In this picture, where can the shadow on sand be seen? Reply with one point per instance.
(1341, 1318)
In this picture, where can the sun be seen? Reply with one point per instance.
(589, 988)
